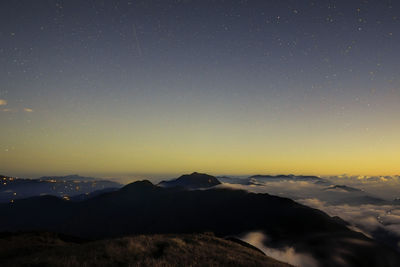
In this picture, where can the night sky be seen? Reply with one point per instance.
(124, 88)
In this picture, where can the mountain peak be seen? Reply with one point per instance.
(342, 188)
(194, 180)
(143, 184)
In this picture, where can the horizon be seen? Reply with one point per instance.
(155, 178)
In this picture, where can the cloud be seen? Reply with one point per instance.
(386, 187)
(4, 102)
(375, 219)
(367, 218)
(28, 110)
(287, 188)
(287, 254)
(362, 179)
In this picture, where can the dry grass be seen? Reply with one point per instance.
(145, 250)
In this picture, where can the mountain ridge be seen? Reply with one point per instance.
(194, 180)
(46, 249)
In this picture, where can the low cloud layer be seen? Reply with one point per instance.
(367, 203)
(387, 187)
(367, 218)
(288, 254)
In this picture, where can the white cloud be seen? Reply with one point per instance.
(362, 217)
(367, 218)
(288, 254)
(386, 187)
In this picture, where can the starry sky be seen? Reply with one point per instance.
(125, 88)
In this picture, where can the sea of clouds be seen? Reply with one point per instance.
(367, 203)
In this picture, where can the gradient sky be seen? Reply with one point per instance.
(125, 88)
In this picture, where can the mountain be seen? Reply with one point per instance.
(287, 177)
(12, 188)
(234, 180)
(241, 181)
(260, 180)
(89, 195)
(192, 181)
(46, 249)
(361, 200)
(72, 177)
(346, 195)
(342, 188)
(143, 208)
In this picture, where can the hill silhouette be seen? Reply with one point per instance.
(192, 181)
(343, 188)
(49, 249)
(70, 186)
(70, 177)
(287, 177)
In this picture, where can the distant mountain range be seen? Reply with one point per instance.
(343, 194)
(331, 193)
(144, 208)
(72, 177)
(259, 179)
(12, 188)
(342, 188)
(287, 177)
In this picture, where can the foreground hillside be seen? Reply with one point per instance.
(46, 249)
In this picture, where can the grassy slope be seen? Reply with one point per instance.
(45, 249)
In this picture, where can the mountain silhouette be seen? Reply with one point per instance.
(192, 181)
(47, 249)
(343, 188)
(92, 194)
(62, 186)
(144, 208)
(287, 177)
(71, 177)
(262, 179)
